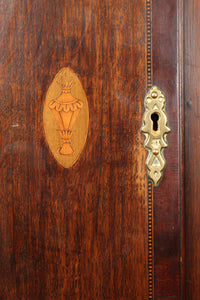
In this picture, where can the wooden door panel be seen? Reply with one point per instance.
(82, 232)
(96, 230)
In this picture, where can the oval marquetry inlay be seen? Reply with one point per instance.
(66, 117)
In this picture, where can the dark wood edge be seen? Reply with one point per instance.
(181, 99)
(192, 150)
(167, 74)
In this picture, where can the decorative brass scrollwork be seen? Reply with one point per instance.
(155, 128)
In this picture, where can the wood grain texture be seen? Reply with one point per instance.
(78, 233)
(192, 149)
(167, 195)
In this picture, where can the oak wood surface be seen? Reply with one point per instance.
(78, 233)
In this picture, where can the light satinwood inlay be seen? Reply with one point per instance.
(66, 117)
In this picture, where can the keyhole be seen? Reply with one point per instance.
(155, 118)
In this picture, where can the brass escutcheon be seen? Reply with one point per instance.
(155, 128)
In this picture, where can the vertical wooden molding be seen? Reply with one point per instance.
(181, 101)
(149, 43)
(192, 148)
(150, 188)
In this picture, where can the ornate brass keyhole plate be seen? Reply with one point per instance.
(155, 128)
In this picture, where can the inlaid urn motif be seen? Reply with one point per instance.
(66, 109)
(66, 117)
